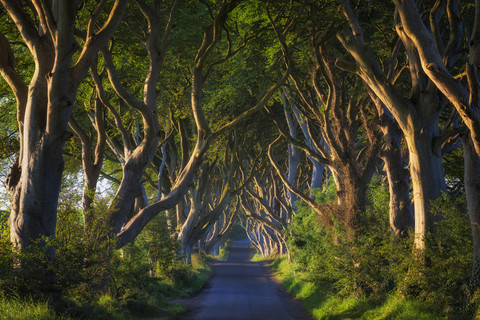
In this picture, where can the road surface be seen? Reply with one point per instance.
(243, 290)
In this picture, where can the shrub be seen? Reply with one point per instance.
(83, 263)
(376, 263)
(442, 277)
(91, 277)
(162, 249)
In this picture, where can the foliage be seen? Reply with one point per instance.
(162, 248)
(380, 267)
(14, 308)
(93, 280)
(84, 257)
(443, 279)
(223, 254)
(324, 303)
(372, 276)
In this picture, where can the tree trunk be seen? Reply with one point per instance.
(472, 190)
(426, 171)
(416, 116)
(317, 168)
(35, 179)
(31, 215)
(293, 157)
(180, 213)
(92, 159)
(400, 208)
(187, 229)
(351, 203)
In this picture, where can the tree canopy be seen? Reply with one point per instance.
(219, 114)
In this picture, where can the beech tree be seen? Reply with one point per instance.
(417, 116)
(400, 207)
(44, 105)
(263, 223)
(45, 108)
(128, 228)
(437, 61)
(346, 134)
(211, 114)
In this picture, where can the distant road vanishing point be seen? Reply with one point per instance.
(243, 290)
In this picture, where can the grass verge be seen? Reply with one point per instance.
(223, 254)
(201, 272)
(323, 302)
(258, 257)
(14, 308)
(151, 302)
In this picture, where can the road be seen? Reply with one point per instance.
(243, 290)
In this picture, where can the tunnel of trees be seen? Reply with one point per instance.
(342, 134)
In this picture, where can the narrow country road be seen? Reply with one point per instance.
(243, 290)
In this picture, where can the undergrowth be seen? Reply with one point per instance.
(150, 301)
(322, 301)
(376, 275)
(91, 279)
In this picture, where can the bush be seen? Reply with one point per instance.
(376, 264)
(162, 249)
(84, 254)
(91, 279)
(442, 278)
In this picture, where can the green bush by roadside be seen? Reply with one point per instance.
(94, 280)
(376, 276)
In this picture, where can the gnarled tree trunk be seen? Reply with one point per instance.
(472, 190)
(35, 179)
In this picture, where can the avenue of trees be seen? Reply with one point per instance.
(342, 134)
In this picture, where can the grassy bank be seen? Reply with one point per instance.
(149, 302)
(223, 253)
(324, 302)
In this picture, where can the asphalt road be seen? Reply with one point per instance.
(243, 290)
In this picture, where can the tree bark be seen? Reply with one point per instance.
(400, 208)
(34, 180)
(434, 67)
(293, 155)
(417, 117)
(92, 159)
(472, 190)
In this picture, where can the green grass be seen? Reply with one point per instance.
(323, 302)
(258, 257)
(395, 308)
(154, 305)
(107, 308)
(223, 254)
(202, 273)
(14, 308)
